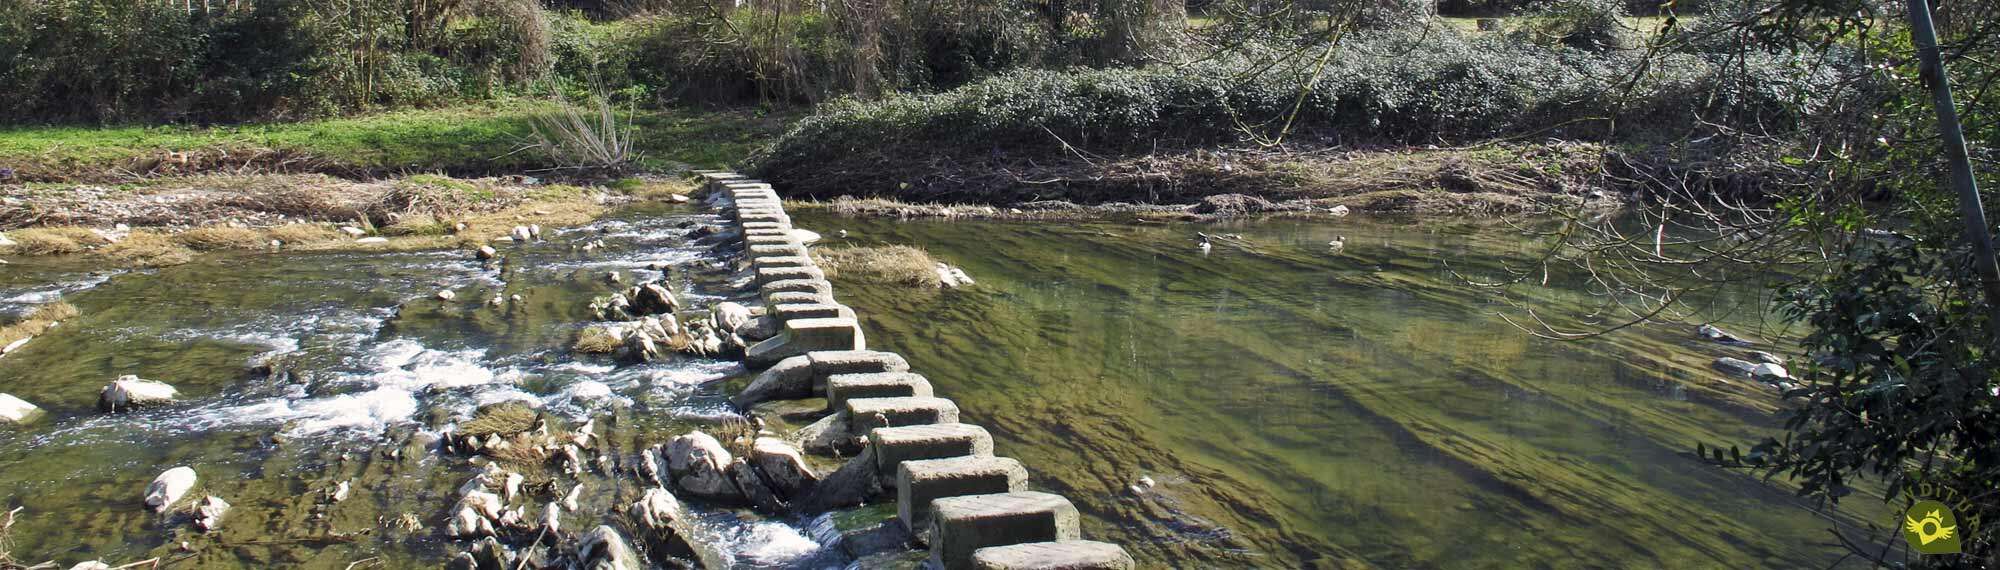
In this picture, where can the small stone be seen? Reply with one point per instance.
(446, 295)
(376, 239)
(487, 252)
(17, 411)
(208, 513)
(352, 231)
(1338, 211)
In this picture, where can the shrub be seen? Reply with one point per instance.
(598, 339)
(1383, 87)
(894, 264)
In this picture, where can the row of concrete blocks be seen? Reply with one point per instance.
(971, 506)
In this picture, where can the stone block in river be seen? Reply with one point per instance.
(919, 482)
(1060, 555)
(770, 239)
(820, 286)
(748, 226)
(894, 445)
(827, 363)
(763, 216)
(806, 335)
(768, 275)
(787, 312)
(843, 387)
(781, 261)
(961, 526)
(871, 413)
(768, 236)
(767, 250)
(796, 298)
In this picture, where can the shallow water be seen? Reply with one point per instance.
(1292, 405)
(1300, 406)
(369, 357)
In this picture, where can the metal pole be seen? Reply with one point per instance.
(1976, 232)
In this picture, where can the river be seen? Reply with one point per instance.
(1291, 405)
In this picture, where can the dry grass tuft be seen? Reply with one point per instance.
(506, 419)
(598, 339)
(37, 322)
(147, 249)
(54, 241)
(215, 238)
(305, 234)
(895, 264)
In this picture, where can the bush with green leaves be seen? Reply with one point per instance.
(1381, 87)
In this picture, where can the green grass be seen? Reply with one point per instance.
(486, 136)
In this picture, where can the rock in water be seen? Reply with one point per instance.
(375, 239)
(1734, 366)
(208, 513)
(1765, 357)
(522, 234)
(604, 549)
(805, 237)
(1340, 210)
(169, 487)
(731, 315)
(1718, 335)
(91, 565)
(753, 487)
(446, 295)
(15, 411)
(700, 465)
(784, 466)
(487, 252)
(129, 392)
(654, 299)
(1769, 371)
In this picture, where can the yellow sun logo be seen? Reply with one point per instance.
(1931, 528)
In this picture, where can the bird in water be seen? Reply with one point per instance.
(841, 233)
(1338, 243)
(1205, 246)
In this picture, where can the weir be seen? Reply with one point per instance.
(972, 509)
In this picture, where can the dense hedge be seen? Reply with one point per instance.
(1389, 86)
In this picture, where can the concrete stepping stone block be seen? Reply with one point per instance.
(805, 376)
(777, 250)
(898, 412)
(770, 275)
(768, 262)
(788, 312)
(747, 226)
(921, 481)
(1061, 555)
(806, 335)
(799, 298)
(963, 525)
(894, 445)
(820, 286)
(843, 387)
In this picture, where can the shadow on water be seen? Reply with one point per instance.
(1300, 406)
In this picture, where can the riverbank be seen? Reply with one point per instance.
(164, 221)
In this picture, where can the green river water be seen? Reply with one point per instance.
(1293, 406)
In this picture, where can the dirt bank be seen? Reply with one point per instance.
(165, 221)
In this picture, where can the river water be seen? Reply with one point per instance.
(1291, 405)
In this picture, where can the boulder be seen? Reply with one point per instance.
(1768, 371)
(807, 237)
(486, 252)
(208, 513)
(700, 465)
(783, 466)
(753, 487)
(640, 347)
(1734, 366)
(1765, 357)
(1718, 335)
(130, 392)
(15, 411)
(654, 299)
(169, 487)
(489, 555)
(521, 234)
(730, 315)
(758, 329)
(603, 548)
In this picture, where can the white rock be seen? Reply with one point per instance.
(1340, 210)
(341, 491)
(575, 495)
(485, 504)
(512, 485)
(131, 392)
(487, 252)
(535, 231)
(17, 411)
(731, 315)
(1769, 369)
(208, 513)
(447, 295)
(604, 549)
(91, 565)
(352, 231)
(4, 242)
(699, 464)
(521, 234)
(657, 508)
(678, 198)
(552, 517)
(807, 237)
(376, 239)
(169, 487)
(466, 523)
(13, 346)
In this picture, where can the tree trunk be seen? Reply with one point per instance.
(1977, 234)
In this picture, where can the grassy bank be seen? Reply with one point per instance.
(468, 139)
